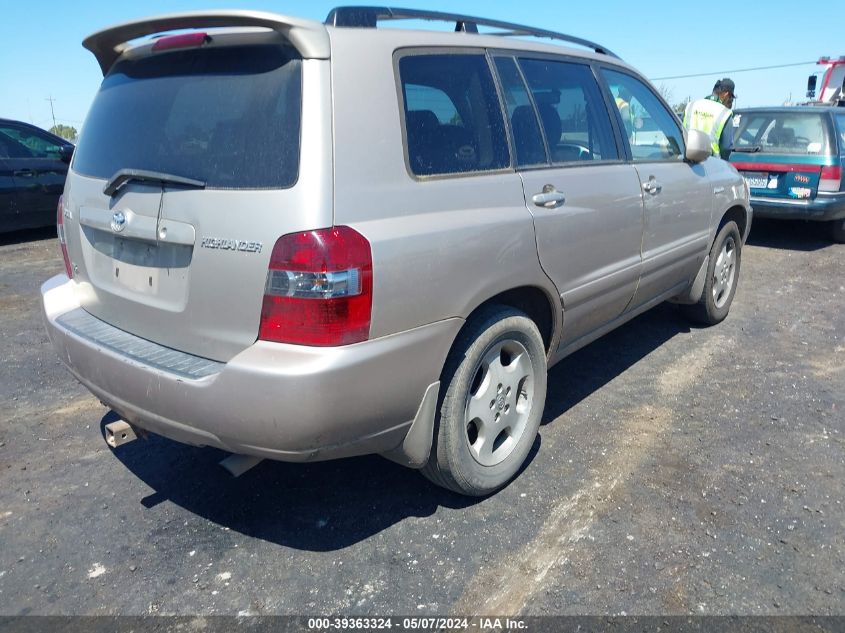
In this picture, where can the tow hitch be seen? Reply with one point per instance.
(119, 433)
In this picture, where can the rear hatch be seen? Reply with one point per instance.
(782, 154)
(187, 171)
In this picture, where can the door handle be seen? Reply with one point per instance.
(24, 173)
(652, 186)
(550, 198)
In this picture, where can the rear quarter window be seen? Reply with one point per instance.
(453, 121)
(229, 116)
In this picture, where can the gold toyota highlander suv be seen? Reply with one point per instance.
(302, 241)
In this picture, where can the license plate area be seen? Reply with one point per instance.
(756, 179)
(136, 265)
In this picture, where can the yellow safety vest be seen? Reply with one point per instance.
(709, 117)
(627, 118)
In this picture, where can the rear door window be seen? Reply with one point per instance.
(229, 116)
(453, 121)
(781, 133)
(572, 112)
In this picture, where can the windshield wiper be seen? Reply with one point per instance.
(751, 149)
(123, 176)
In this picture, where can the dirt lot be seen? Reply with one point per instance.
(679, 471)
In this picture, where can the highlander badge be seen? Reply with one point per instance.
(226, 244)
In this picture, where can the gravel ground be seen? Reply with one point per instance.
(678, 471)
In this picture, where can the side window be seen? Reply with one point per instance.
(572, 111)
(11, 147)
(527, 138)
(653, 131)
(840, 123)
(36, 145)
(452, 116)
(434, 99)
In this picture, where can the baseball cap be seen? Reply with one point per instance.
(726, 85)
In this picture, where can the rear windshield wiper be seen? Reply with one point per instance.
(123, 176)
(751, 149)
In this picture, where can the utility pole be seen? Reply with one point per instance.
(51, 100)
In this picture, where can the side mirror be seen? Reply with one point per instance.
(698, 146)
(811, 86)
(66, 153)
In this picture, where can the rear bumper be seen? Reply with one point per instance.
(284, 402)
(825, 206)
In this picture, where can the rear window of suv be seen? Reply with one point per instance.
(229, 116)
(781, 133)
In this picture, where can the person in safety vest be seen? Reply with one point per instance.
(712, 115)
(623, 103)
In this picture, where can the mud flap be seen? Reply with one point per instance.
(414, 450)
(693, 295)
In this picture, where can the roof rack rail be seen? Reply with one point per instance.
(368, 17)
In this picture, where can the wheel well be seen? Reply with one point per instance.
(737, 214)
(531, 300)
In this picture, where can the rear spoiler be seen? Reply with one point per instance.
(310, 38)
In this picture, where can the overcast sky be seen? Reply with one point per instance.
(41, 54)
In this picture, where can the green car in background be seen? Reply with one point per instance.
(792, 159)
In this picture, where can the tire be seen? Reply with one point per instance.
(836, 229)
(493, 391)
(722, 278)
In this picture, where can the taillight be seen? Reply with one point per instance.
(831, 178)
(319, 289)
(183, 40)
(60, 229)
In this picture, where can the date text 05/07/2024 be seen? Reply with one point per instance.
(485, 624)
